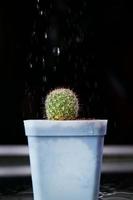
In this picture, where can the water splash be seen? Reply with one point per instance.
(117, 196)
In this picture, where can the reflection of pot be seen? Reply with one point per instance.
(65, 158)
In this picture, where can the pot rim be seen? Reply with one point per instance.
(47, 128)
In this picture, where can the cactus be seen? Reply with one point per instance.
(61, 104)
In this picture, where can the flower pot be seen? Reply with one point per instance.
(65, 158)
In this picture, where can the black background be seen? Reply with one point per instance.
(84, 45)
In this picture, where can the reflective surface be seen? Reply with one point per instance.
(113, 187)
(113, 196)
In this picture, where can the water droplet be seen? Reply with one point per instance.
(43, 65)
(33, 33)
(41, 12)
(37, 6)
(54, 68)
(56, 51)
(31, 66)
(78, 39)
(38, 1)
(45, 35)
(44, 78)
(43, 60)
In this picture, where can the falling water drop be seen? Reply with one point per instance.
(54, 68)
(44, 79)
(41, 12)
(56, 51)
(45, 35)
(31, 66)
(33, 33)
(43, 60)
(37, 6)
(43, 63)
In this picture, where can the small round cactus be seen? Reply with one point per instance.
(61, 104)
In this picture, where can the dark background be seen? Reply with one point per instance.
(84, 45)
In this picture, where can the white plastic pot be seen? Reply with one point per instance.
(65, 158)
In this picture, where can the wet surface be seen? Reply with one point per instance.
(113, 187)
(113, 196)
(116, 196)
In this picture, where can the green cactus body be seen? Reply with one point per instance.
(61, 104)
